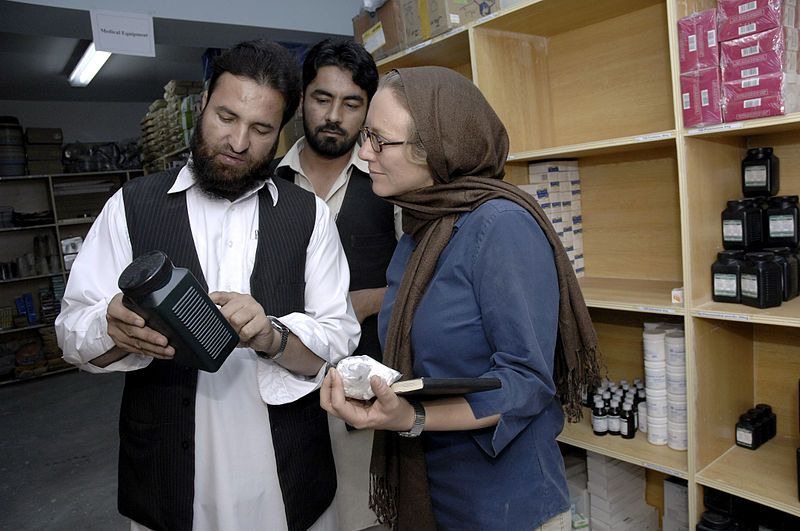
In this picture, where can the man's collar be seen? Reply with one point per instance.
(292, 158)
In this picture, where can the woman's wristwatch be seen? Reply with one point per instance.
(419, 420)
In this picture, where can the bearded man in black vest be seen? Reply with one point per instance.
(246, 447)
(339, 79)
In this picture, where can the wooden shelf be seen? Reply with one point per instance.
(24, 328)
(637, 450)
(31, 227)
(635, 295)
(767, 475)
(450, 50)
(76, 221)
(601, 147)
(32, 277)
(787, 314)
(773, 124)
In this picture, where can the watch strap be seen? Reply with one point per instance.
(284, 331)
(419, 420)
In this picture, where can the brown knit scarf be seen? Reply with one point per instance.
(466, 147)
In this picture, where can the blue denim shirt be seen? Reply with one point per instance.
(491, 309)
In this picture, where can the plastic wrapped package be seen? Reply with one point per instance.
(755, 55)
(760, 107)
(737, 18)
(697, 41)
(701, 97)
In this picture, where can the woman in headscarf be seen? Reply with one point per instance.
(479, 285)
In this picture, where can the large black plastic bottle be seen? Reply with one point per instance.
(789, 270)
(760, 172)
(725, 276)
(742, 225)
(172, 302)
(761, 280)
(782, 222)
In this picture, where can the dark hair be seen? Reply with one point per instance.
(265, 62)
(347, 54)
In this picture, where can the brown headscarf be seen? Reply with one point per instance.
(466, 147)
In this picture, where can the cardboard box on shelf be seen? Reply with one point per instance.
(445, 15)
(381, 32)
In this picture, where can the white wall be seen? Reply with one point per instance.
(80, 121)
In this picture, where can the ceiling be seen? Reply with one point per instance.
(40, 45)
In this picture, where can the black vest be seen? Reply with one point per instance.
(156, 464)
(366, 229)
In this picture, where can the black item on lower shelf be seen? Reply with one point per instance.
(711, 521)
(29, 219)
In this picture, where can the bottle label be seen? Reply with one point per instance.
(750, 286)
(613, 424)
(744, 436)
(600, 424)
(781, 226)
(724, 285)
(755, 176)
(732, 230)
(623, 428)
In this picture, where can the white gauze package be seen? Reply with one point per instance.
(356, 372)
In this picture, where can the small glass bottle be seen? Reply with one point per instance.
(613, 418)
(606, 399)
(761, 280)
(782, 221)
(627, 422)
(725, 274)
(599, 418)
(760, 172)
(635, 410)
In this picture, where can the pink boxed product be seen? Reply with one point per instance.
(707, 49)
(738, 18)
(753, 108)
(687, 44)
(697, 41)
(754, 87)
(701, 97)
(755, 55)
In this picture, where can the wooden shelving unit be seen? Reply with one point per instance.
(599, 82)
(74, 209)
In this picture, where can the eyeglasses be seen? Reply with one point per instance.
(377, 142)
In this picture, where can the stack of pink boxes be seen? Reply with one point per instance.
(701, 91)
(739, 61)
(758, 56)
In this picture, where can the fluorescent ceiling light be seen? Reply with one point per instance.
(88, 66)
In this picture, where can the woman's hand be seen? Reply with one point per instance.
(387, 412)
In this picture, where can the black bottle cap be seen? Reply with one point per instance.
(781, 200)
(145, 274)
(760, 256)
(766, 408)
(733, 254)
(715, 520)
(760, 151)
(742, 202)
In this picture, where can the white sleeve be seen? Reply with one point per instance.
(81, 327)
(328, 326)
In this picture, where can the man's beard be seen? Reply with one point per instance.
(328, 147)
(219, 180)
